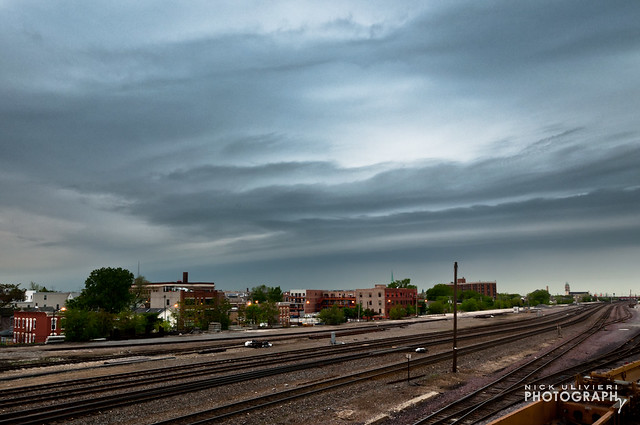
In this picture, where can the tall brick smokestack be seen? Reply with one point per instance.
(185, 277)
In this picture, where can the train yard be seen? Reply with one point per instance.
(303, 378)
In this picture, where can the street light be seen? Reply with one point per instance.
(164, 305)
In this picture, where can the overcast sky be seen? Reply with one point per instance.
(323, 144)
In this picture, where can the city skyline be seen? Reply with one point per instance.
(321, 145)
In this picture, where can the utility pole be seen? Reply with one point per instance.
(455, 317)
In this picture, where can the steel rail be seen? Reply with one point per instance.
(495, 391)
(72, 409)
(36, 393)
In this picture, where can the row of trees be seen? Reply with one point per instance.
(105, 308)
(441, 297)
(262, 306)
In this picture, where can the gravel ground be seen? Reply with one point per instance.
(385, 400)
(598, 344)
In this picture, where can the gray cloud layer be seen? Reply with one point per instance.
(321, 148)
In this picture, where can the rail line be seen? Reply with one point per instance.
(36, 394)
(222, 344)
(69, 409)
(507, 390)
(220, 413)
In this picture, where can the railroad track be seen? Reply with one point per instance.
(137, 396)
(173, 347)
(65, 389)
(220, 413)
(212, 345)
(508, 389)
(209, 347)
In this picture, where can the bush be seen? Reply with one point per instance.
(129, 325)
(436, 307)
(84, 325)
(397, 312)
(332, 316)
(470, 304)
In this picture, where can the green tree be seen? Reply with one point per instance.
(353, 312)
(539, 296)
(128, 325)
(397, 312)
(438, 291)
(470, 304)
(38, 288)
(368, 313)
(563, 299)
(586, 298)
(332, 316)
(251, 314)
(219, 313)
(269, 313)
(404, 283)
(264, 293)
(258, 294)
(274, 294)
(84, 325)
(140, 292)
(436, 307)
(10, 293)
(469, 294)
(107, 289)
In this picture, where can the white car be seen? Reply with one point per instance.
(257, 344)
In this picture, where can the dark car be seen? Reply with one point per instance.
(257, 344)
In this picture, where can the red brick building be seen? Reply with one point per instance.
(382, 299)
(181, 301)
(284, 314)
(31, 327)
(320, 299)
(488, 289)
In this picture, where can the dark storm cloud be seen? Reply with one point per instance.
(429, 197)
(206, 137)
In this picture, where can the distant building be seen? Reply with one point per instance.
(35, 326)
(488, 289)
(53, 300)
(317, 300)
(180, 297)
(235, 298)
(382, 299)
(297, 299)
(284, 314)
(578, 296)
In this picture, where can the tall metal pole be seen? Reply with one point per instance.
(455, 317)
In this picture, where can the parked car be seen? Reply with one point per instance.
(257, 344)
